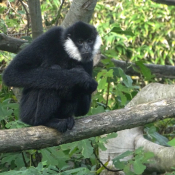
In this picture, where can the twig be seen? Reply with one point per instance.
(59, 11)
(102, 162)
(24, 159)
(27, 15)
(10, 8)
(107, 94)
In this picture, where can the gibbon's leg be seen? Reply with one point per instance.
(63, 119)
(38, 106)
(83, 105)
(44, 107)
(66, 111)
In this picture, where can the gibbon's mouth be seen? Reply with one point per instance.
(86, 56)
(85, 53)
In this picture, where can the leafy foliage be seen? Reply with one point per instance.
(137, 162)
(139, 31)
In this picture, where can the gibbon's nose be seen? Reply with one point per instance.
(86, 47)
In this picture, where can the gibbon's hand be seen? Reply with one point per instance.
(84, 80)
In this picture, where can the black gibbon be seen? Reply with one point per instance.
(55, 71)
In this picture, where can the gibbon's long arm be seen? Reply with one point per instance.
(27, 70)
(42, 78)
(19, 75)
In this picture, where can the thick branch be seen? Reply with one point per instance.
(158, 70)
(41, 137)
(10, 44)
(163, 156)
(80, 10)
(167, 2)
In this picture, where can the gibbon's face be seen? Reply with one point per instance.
(82, 42)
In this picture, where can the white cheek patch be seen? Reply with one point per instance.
(72, 50)
(97, 45)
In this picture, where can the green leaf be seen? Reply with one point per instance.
(46, 156)
(155, 136)
(125, 154)
(138, 167)
(59, 156)
(87, 149)
(147, 156)
(102, 83)
(98, 110)
(172, 142)
(118, 30)
(126, 79)
(54, 157)
(119, 164)
(102, 146)
(144, 70)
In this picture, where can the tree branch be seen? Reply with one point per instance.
(167, 2)
(41, 137)
(158, 70)
(10, 44)
(59, 12)
(163, 156)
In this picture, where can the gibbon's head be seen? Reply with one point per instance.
(81, 41)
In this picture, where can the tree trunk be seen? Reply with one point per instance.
(36, 20)
(80, 10)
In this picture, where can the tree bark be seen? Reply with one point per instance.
(158, 70)
(167, 2)
(41, 137)
(36, 20)
(80, 10)
(164, 156)
(10, 44)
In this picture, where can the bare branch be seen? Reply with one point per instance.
(159, 71)
(41, 137)
(27, 16)
(167, 2)
(10, 44)
(59, 12)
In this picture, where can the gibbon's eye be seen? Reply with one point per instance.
(80, 41)
(89, 41)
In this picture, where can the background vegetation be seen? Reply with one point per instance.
(136, 30)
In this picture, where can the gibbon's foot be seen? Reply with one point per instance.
(59, 124)
(70, 123)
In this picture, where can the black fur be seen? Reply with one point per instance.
(56, 87)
